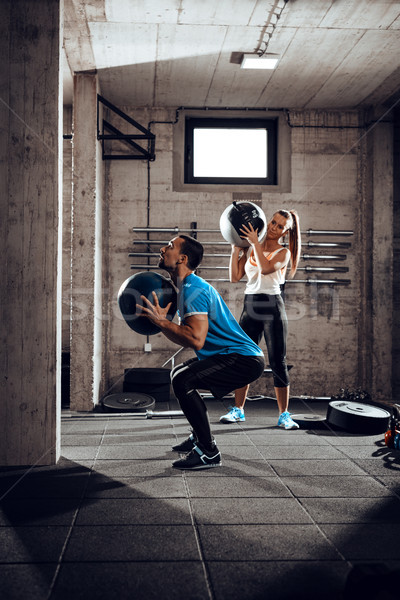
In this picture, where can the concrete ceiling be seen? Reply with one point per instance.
(170, 53)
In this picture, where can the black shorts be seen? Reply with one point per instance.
(223, 373)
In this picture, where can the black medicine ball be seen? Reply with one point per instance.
(143, 284)
(238, 214)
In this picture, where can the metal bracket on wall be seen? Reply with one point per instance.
(115, 134)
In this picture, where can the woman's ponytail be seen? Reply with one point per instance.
(294, 238)
(294, 243)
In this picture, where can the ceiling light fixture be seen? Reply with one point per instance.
(259, 61)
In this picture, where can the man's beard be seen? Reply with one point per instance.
(161, 264)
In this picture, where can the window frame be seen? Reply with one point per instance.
(284, 152)
(269, 124)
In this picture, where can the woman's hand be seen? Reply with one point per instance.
(249, 233)
(154, 312)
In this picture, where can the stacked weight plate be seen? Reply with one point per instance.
(353, 417)
(357, 418)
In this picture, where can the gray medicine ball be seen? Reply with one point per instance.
(238, 214)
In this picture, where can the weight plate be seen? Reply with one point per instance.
(357, 418)
(128, 402)
(309, 420)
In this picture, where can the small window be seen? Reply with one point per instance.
(230, 151)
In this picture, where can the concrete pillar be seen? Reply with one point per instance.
(86, 288)
(376, 258)
(382, 260)
(30, 198)
(396, 259)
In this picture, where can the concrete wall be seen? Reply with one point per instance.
(30, 164)
(336, 185)
(396, 260)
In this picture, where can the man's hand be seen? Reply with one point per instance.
(192, 334)
(154, 312)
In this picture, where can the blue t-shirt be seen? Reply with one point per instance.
(224, 336)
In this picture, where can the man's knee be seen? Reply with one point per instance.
(182, 381)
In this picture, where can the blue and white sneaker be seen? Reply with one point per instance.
(286, 422)
(234, 415)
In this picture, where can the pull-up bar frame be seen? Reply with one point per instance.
(115, 134)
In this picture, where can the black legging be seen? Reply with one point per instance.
(266, 314)
(184, 384)
(220, 374)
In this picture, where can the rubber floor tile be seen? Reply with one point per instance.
(306, 580)
(101, 486)
(353, 439)
(387, 463)
(290, 468)
(81, 426)
(353, 510)
(265, 543)
(145, 438)
(139, 425)
(317, 452)
(81, 440)
(231, 439)
(364, 452)
(259, 510)
(37, 511)
(132, 543)
(241, 452)
(366, 541)
(391, 482)
(79, 452)
(132, 581)
(236, 467)
(134, 468)
(270, 429)
(326, 486)
(31, 544)
(266, 426)
(31, 581)
(289, 438)
(64, 483)
(134, 511)
(236, 487)
(142, 452)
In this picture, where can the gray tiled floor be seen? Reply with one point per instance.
(288, 515)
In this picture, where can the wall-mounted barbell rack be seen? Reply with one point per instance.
(194, 231)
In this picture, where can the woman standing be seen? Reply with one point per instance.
(264, 264)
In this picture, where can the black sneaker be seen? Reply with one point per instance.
(198, 459)
(186, 445)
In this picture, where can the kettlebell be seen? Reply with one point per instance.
(392, 436)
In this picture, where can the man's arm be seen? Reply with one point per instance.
(191, 335)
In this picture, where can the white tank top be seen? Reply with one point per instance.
(257, 283)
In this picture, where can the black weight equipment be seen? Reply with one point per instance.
(128, 402)
(143, 284)
(356, 417)
(393, 433)
(238, 214)
(309, 420)
(148, 380)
